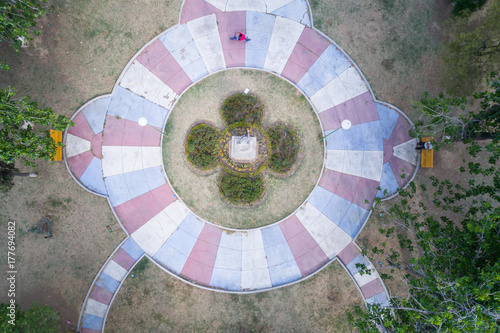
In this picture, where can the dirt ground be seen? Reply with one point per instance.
(282, 102)
(169, 305)
(83, 47)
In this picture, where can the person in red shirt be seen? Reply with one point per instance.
(241, 36)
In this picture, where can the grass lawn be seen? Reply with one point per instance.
(83, 47)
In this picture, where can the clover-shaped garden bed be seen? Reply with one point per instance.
(275, 149)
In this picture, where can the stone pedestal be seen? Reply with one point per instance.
(243, 149)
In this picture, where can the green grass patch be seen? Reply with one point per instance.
(285, 145)
(239, 188)
(201, 146)
(242, 108)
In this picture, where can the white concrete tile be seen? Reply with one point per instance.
(253, 259)
(285, 34)
(406, 151)
(203, 26)
(307, 214)
(76, 145)
(147, 239)
(162, 225)
(321, 228)
(353, 82)
(252, 240)
(337, 91)
(372, 165)
(335, 160)
(365, 278)
(142, 82)
(335, 242)
(247, 5)
(96, 308)
(321, 101)
(255, 279)
(177, 211)
(210, 48)
(353, 162)
(112, 161)
(114, 270)
(272, 5)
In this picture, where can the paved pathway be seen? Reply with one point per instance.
(109, 154)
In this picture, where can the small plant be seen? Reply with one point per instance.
(242, 108)
(201, 147)
(284, 147)
(241, 189)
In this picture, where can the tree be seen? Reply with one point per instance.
(7, 174)
(38, 318)
(465, 7)
(453, 274)
(471, 50)
(449, 120)
(17, 19)
(24, 129)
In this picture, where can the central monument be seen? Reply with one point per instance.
(243, 148)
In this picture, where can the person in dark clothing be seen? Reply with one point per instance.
(424, 145)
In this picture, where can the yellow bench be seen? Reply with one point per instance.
(427, 156)
(57, 137)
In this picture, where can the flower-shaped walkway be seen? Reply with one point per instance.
(110, 154)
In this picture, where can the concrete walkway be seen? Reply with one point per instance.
(110, 154)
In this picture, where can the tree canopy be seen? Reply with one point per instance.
(38, 318)
(24, 129)
(453, 244)
(450, 119)
(17, 19)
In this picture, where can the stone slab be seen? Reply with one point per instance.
(81, 128)
(92, 177)
(95, 113)
(107, 282)
(95, 308)
(131, 247)
(79, 163)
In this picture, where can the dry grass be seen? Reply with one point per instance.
(282, 102)
(154, 301)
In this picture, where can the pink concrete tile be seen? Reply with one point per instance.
(346, 186)
(166, 68)
(348, 253)
(201, 260)
(197, 272)
(123, 259)
(330, 119)
(179, 82)
(366, 190)
(291, 227)
(366, 108)
(137, 135)
(293, 72)
(153, 54)
(330, 180)
(113, 131)
(312, 40)
(88, 330)
(82, 128)
(400, 167)
(347, 110)
(130, 216)
(388, 151)
(299, 62)
(80, 162)
(229, 23)
(101, 295)
(372, 288)
(193, 9)
(400, 132)
(96, 145)
(163, 195)
(311, 261)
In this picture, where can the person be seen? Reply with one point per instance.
(424, 145)
(241, 36)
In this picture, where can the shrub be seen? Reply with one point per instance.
(284, 148)
(242, 108)
(239, 188)
(465, 7)
(201, 146)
